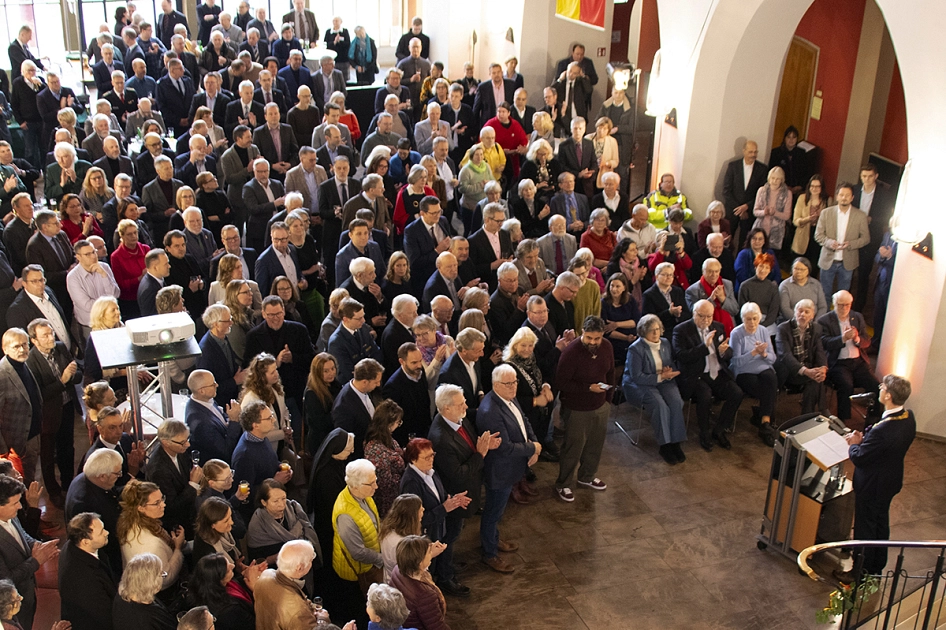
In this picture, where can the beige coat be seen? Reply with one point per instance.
(803, 232)
(826, 234)
(281, 604)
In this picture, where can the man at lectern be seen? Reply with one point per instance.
(878, 455)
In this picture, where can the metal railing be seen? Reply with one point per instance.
(910, 595)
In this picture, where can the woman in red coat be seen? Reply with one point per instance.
(424, 600)
(407, 207)
(128, 265)
(511, 137)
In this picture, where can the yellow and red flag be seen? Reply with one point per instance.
(588, 12)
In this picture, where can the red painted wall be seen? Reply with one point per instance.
(893, 142)
(835, 27)
(649, 41)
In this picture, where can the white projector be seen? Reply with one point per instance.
(159, 330)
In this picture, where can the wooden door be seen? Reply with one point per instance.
(794, 99)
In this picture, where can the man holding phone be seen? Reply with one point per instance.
(585, 376)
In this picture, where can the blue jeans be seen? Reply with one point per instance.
(493, 509)
(828, 276)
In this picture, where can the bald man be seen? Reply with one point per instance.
(744, 177)
(214, 431)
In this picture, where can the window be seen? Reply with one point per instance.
(44, 17)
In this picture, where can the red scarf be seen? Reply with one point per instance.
(719, 315)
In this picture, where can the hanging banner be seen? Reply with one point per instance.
(587, 12)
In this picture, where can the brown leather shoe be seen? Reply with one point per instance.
(498, 564)
(526, 488)
(519, 497)
(507, 546)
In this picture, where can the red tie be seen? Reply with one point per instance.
(466, 437)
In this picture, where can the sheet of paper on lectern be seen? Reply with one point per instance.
(827, 450)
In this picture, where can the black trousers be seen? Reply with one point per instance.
(872, 522)
(763, 387)
(57, 449)
(812, 398)
(846, 374)
(442, 566)
(864, 267)
(702, 389)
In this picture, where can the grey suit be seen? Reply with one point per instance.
(423, 138)
(260, 210)
(318, 86)
(93, 144)
(17, 564)
(135, 121)
(15, 409)
(547, 250)
(234, 175)
(295, 182)
(857, 236)
(541, 273)
(153, 199)
(318, 135)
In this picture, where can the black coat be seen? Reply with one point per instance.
(504, 316)
(153, 616)
(655, 304)
(174, 483)
(87, 589)
(394, 335)
(460, 467)
(690, 351)
(350, 414)
(85, 496)
(264, 339)
(434, 521)
(455, 373)
(414, 399)
(546, 352)
(735, 190)
(24, 310)
(483, 256)
(814, 352)
(831, 335)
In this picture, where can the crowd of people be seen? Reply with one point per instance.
(396, 324)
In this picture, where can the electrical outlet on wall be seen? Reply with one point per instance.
(602, 51)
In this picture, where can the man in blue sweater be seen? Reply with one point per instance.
(254, 459)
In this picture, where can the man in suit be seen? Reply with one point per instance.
(559, 302)
(218, 357)
(37, 300)
(715, 248)
(159, 197)
(124, 100)
(236, 170)
(361, 286)
(268, 92)
(279, 259)
(57, 375)
(391, 86)
(576, 154)
(295, 75)
(352, 341)
(198, 159)
(211, 98)
(491, 93)
(332, 149)
(360, 245)
(574, 93)
(243, 111)
(303, 22)
(522, 112)
(744, 177)
(53, 98)
(171, 468)
(354, 407)
(19, 230)
(132, 51)
(587, 68)
(463, 367)
(113, 158)
(845, 340)
(102, 70)
(701, 350)
(276, 142)
(571, 206)
(398, 332)
(87, 585)
(175, 93)
(166, 21)
(306, 177)
(21, 402)
(21, 555)
(505, 466)
(533, 273)
(327, 81)
(460, 117)
(548, 349)
(19, 51)
(287, 341)
(334, 193)
(257, 46)
(157, 267)
(507, 304)
(801, 361)
(111, 437)
(444, 281)
(263, 197)
(332, 116)
(425, 239)
(490, 246)
(101, 130)
(459, 462)
(213, 431)
(842, 230)
(50, 249)
(153, 146)
(877, 455)
(873, 198)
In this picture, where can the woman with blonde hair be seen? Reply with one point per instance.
(533, 393)
(773, 207)
(137, 604)
(542, 128)
(95, 192)
(239, 298)
(332, 320)
(105, 315)
(183, 199)
(403, 519)
(397, 279)
(97, 396)
(229, 268)
(320, 392)
(606, 148)
(140, 530)
(67, 120)
(311, 304)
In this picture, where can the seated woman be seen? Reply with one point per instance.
(277, 520)
(757, 242)
(801, 286)
(214, 584)
(216, 483)
(137, 605)
(424, 600)
(387, 609)
(382, 450)
(753, 364)
(239, 299)
(321, 390)
(533, 393)
(531, 211)
(76, 222)
(140, 531)
(620, 313)
(599, 239)
(229, 268)
(648, 382)
(714, 223)
(403, 519)
(542, 167)
(762, 291)
(674, 254)
(514, 228)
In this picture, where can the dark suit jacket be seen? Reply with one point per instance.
(881, 210)
(49, 108)
(393, 337)
(434, 521)
(173, 106)
(262, 338)
(209, 435)
(350, 413)
(278, 97)
(125, 445)
(262, 46)
(212, 358)
(85, 496)
(16, 235)
(436, 285)
(40, 252)
(324, 160)
(526, 119)
(404, 96)
(293, 85)
(831, 335)
(454, 372)
(414, 398)
(179, 494)
(18, 54)
(147, 293)
(318, 87)
(581, 98)
(186, 171)
(268, 267)
(87, 588)
(119, 107)
(260, 209)
(504, 317)
(546, 353)
(349, 349)
(735, 190)
(124, 166)
(878, 460)
(814, 353)
(419, 247)
(558, 206)
(23, 310)
(620, 215)
(51, 387)
(482, 255)
(17, 564)
(331, 225)
(459, 466)
(264, 142)
(219, 111)
(144, 167)
(101, 76)
(81, 154)
(568, 158)
(466, 139)
(654, 303)
(235, 112)
(173, 18)
(506, 465)
(484, 105)
(690, 352)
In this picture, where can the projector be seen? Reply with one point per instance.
(159, 330)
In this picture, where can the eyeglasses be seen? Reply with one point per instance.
(509, 383)
(187, 440)
(281, 240)
(161, 501)
(245, 292)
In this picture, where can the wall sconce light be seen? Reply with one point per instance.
(620, 74)
(657, 98)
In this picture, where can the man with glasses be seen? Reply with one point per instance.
(279, 260)
(559, 302)
(93, 490)
(88, 282)
(490, 246)
(144, 163)
(218, 356)
(253, 458)
(263, 198)
(111, 437)
(500, 415)
(425, 239)
(230, 237)
(463, 366)
(352, 341)
(21, 403)
(50, 248)
(37, 300)
(215, 431)
(173, 470)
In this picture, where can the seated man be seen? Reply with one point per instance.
(719, 291)
(639, 230)
(801, 358)
(702, 353)
(715, 248)
(666, 198)
(571, 205)
(845, 340)
(352, 341)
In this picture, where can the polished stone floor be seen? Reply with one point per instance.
(666, 547)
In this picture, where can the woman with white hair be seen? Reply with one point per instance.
(474, 176)
(753, 362)
(600, 240)
(714, 223)
(533, 392)
(387, 609)
(407, 207)
(137, 605)
(514, 228)
(531, 211)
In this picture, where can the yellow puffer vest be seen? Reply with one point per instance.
(342, 560)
